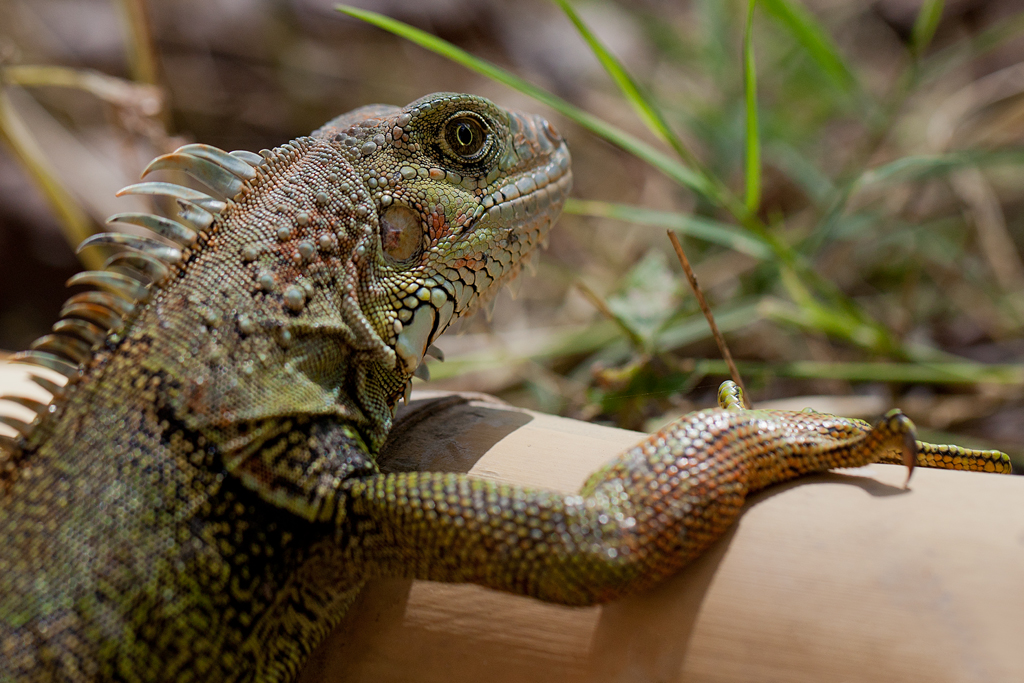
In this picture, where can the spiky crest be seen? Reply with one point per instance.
(89, 318)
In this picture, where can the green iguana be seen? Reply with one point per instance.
(201, 501)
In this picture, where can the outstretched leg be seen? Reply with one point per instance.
(730, 397)
(635, 521)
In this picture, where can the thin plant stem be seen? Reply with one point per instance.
(706, 310)
(74, 221)
(143, 58)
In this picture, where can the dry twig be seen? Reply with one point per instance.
(702, 302)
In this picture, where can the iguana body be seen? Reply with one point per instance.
(202, 501)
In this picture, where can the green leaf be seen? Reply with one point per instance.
(927, 21)
(814, 38)
(673, 169)
(699, 227)
(648, 296)
(752, 170)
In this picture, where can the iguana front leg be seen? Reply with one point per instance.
(637, 520)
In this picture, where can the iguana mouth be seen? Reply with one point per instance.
(529, 192)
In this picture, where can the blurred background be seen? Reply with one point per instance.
(891, 137)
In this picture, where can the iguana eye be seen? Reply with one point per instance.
(401, 233)
(465, 136)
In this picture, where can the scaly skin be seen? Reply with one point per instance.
(202, 501)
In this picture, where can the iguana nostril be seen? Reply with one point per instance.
(552, 133)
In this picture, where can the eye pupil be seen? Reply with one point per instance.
(466, 137)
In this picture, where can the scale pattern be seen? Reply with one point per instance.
(201, 501)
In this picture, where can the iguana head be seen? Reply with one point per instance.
(464, 193)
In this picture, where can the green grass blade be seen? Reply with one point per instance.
(642, 103)
(908, 169)
(964, 372)
(927, 21)
(636, 339)
(924, 166)
(752, 170)
(814, 38)
(848, 322)
(699, 227)
(673, 169)
(729, 318)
